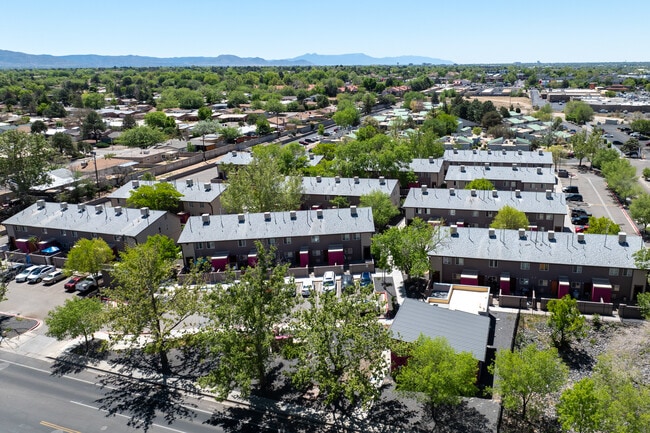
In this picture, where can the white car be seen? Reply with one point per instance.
(329, 282)
(37, 275)
(53, 277)
(307, 287)
(22, 277)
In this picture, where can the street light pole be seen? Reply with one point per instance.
(96, 173)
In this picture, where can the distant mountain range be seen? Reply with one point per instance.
(17, 60)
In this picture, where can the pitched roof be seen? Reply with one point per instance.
(535, 247)
(277, 225)
(245, 158)
(528, 201)
(475, 156)
(465, 332)
(426, 165)
(194, 192)
(523, 174)
(346, 186)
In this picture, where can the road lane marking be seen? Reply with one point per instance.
(58, 427)
(49, 373)
(601, 199)
(124, 416)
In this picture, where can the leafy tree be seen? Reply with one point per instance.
(490, 119)
(346, 115)
(621, 177)
(55, 110)
(88, 256)
(263, 127)
(578, 112)
(509, 218)
(480, 184)
(242, 322)
(205, 113)
(526, 377)
(406, 248)
(631, 145)
(159, 196)
(437, 373)
(442, 124)
(229, 133)
(643, 300)
(383, 210)
(641, 125)
(640, 210)
(557, 153)
(128, 122)
(93, 126)
(579, 408)
(261, 187)
(545, 113)
(159, 120)
(141, 136)
(142, 304)
(93, 100)
(38, 127)
(565, 321)
(603, 156)
(646, 173)
(603, 225)
(291, 158)
(63, 142)
(369, 100)
(79, 317)
(204, 127)
(27, 158)
(340, 202)
(339, 349)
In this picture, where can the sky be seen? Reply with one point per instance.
(463, 32)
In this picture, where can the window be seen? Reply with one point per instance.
(287, 241)
(549, 217)
(44, 230)
(117, 238)
(452, 211)
(540, 216)
(199, 245)
(210, 245)
(576, 285)
(513, 184)
(489, 214)
(349, 251)
(459, 261)
(272, 242)
(345, 237)
(288, 255)
(475, 213)
(524, 281)
(356, 236)
(613, 272)
(616, 287)
(64, 233)
(241, 243)
(315, 239)
(201, 205)
(524, 266)
(315, 253)
(577, 269)
(75, 234)
(627, 272)
(543, 267)
(446, 260)
(542, 283)
(191, 204)
(455, 277)
(494, 263)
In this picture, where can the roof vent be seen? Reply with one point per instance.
(319, 213)
(622, 238)
(292, 214)
(318, 179)
(40, 204)
(541, 152)
(356, 179)
(462, 169)
(207, 186)
(234, 153)
(205, 218)
(337, 179)
(135, 184)
(431, 159)
(189, 183)
(423, 188)
(81, 207)
(495, 193)
(353, 210)
(539, 170)
(551, 235)
(382, 180)
(522, 233)
(118, 210)
(473, 192)
(491, 232)
(99, 208)
(452, 191)
(549, 194)
(581, 237)
(518, 193)
(503, 151)
(455, 151)
(514, 166)
(267, 216)
(474, 151)
(64, 205)
(519, 152)
(240, 217)
(489, 151)
(144, 212)
(487, 165)
(311, 156)
(453, 229)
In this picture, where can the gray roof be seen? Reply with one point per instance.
(522, 174)
(426, 165)
(278, 225)
(58, 178)
(129, 223)
(535, 247)
(465, 332)
(498, 157)
(462, 199)
(245, 158)
(346, 186)
(196, 192)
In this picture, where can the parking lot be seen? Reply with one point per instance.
(34, 300)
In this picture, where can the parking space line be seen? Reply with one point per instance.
(600, 198)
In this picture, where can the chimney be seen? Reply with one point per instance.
(503, 151)
(474, 151)
(99, 208)
(519, 152)
(514, 166)
(205, 218)
(240, 218)
(539, 170)
(549, 194)
(622, 238)
(40, 204)
(267, 216)
(356, 179)
(495, 193)
(473, 192)
(462, 169)
(491, 232)
(234, 153)
(455, 151)
(423, 188)
(551, 235)
(318, 179)
(541, 152)
(518, 193)
(311, 156)
(382, 180)
(81, 207)
(189, 183)
(489, 151)
(207, 186)
(581, 237)
(453, 229)
(319, 213)
(431, 160)
(64, 205)
(522, 233)
(118, 210)
(452, 191)
(353, 210)
(144, 212)
(135, 184)
(292, 214)
(337, 179)
(487, 165)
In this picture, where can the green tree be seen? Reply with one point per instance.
(441, 124)
(646, 173)
(368, 100)
(437, 374)
(144, 305)
(263, 127)
(321, 129)
(603, 225)
(159, 196)
(346, 114)
(79, 317)
(383, 210)
(640, 210)
(159, 120)
(565, 321)
(92, 126)
(38, 127)
(88, 256)
(525, 378)
(93, 100)
(229, 133)
(204, 127)
(621, 177)
(261, 187)
(128, 122)
(579, 408)
(141, 136)
(26, 161)
(480, 184)
(339, 350)
(643, 300)
(340, 202)
(205, 113)
(641, 125)
(558, 153)
(490, 119)
(510, 218)
(578, 112)
(55, 110)
(631, 145)
(242, 318)
(63, 142)
(603, 156)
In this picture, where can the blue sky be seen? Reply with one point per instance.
(470, 31)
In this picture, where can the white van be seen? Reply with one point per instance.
(329, 281)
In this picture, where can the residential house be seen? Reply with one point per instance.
(552, 264)
(501, 158)
(301, 238)
(237, 158)
(503, 178)
(471, 208)
(428, 171)
(319, 191)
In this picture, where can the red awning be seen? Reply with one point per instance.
(563, 288)
(304, 256)
(469, 277)
(252, 258)
(335, 256)
(219, 262)
(601, 290)
(504, 283)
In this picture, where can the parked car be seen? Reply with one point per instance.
(307, 287)
(582, 229)
(632, 154)
(87, 286)
(617, 142)
(11, 272)
(38, 275)
(573, 197)
(347, 283)
(579, 212)
(71, 284)
(562, 173)
(365, 280)
(22, 277)
(570, 189)
(53, 277)
(580, 220)
(329, 282)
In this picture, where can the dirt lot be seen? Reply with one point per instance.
(504, 101)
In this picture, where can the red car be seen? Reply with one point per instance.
(582, 229)
(71, 284)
